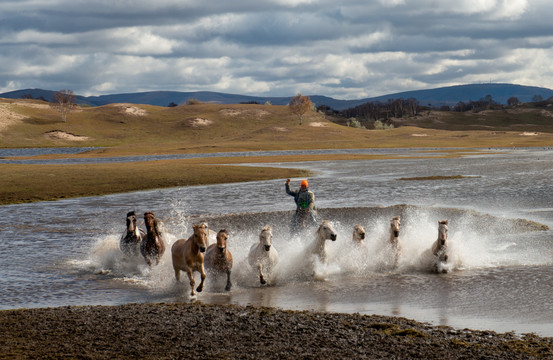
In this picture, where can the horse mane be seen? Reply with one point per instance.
(131, 213)
(224, 231)
(443, 222)
(267, 228)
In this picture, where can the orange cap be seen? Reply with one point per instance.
(304, 183)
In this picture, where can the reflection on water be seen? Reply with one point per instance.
(66, 252)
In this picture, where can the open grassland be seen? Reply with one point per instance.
(125, 129)
(28, 183)
(128, 129)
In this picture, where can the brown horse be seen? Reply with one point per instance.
(218, 257)
(188, 255)
(152, 246)
(132, 237)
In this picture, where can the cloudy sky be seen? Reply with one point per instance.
(347, 49)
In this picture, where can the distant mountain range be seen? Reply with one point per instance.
(450, 95)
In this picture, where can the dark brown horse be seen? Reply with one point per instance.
(218, 257)
(152, 246)
(132, 237)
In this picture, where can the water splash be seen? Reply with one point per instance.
(469, 248)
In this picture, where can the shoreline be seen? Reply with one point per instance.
(194, 330)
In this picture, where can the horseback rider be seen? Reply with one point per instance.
(305, 206)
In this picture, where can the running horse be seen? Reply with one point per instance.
(358, 235)
(218, 257)
(263, 255)
(152, 246)
(395, 226)
(132, 237)
(318, 247)
(188, 256)
(439, 248)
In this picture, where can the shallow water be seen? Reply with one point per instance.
(66, 252)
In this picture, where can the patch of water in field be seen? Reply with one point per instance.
(66, 252)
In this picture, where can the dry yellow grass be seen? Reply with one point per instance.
(28, 183)
(127, 129)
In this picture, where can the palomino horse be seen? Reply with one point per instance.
(188, 255)
(132, 237)
(359, 235)
(152, 246)
(218, 257)
(395, 226)
(439, 248)
(318, 247)
(263, 255)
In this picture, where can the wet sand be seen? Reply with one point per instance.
(195, 330)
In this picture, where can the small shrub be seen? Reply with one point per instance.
(354, 123)
(193, 102)
(379, 125)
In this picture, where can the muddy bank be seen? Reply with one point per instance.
(194, 330)
(458, 218)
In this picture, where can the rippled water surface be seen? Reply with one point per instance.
(66, 252)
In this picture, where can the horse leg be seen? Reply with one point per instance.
(177, 275)
(261, 277)
(229, 284)
(201, 286)
(192, 281)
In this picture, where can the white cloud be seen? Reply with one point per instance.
(349, 49)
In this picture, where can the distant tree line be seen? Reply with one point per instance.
(30, 97)
(398, 108)
(376, 110)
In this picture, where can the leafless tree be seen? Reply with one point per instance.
(299, 105)
(512, 101)
(64, 102)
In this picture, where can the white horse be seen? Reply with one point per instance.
(318, 246)
(263, 255)
(439, 248)
(358, 235)
(395, 227)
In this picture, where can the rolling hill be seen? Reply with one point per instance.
(450, 95)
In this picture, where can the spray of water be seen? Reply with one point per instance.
(470, 246)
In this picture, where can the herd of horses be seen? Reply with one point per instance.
(195, 254)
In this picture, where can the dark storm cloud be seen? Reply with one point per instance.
(351, 49)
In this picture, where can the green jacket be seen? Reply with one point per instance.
(305, 199)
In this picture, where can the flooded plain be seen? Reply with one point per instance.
(67, 252)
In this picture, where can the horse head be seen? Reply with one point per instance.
(326, 231)
(442, 232)
(395, 226)
(222, 237)
(150, 221)
(266, 237)
(200, 235)
(358, 233)
(131, 222)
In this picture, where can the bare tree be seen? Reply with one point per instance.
(64, 102)
(512, 101)
(299, 105)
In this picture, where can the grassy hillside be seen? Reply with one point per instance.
(143, 129)
(125, 129)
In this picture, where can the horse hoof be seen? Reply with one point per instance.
(262, 281)
(199, 289)
(227, 288)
